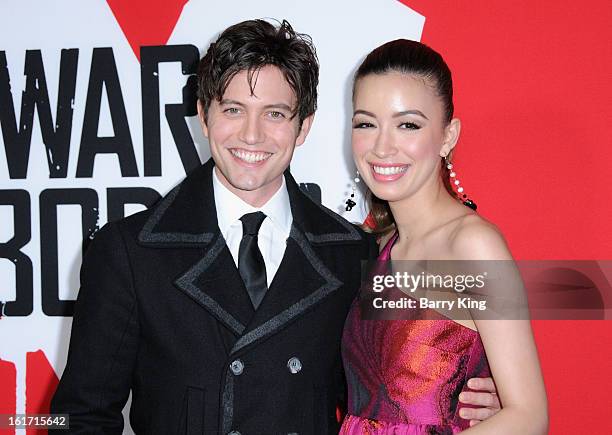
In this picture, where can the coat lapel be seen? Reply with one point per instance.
(186, 218)
(302, 280)
(215, 284)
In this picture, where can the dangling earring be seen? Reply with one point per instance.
(456, 184)
(350, 202)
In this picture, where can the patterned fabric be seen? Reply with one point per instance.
(404, 376)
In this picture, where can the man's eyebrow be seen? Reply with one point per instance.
(227, 102)
(281, 106)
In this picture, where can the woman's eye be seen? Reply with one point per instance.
(410, 126)
(362, 125)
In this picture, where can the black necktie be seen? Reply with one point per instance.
(250, 261)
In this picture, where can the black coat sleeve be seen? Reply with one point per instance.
(103, 344)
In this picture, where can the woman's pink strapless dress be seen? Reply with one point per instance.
(404, 376)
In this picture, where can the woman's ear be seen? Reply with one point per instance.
(451, 136)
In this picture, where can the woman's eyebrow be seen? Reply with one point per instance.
(410, 112)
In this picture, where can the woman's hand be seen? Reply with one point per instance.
(484, 397)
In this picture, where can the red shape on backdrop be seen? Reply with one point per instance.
(533, 92)
(8, 391)
(41, 383)
(147, 22)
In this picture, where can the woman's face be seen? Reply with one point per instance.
(399, 134)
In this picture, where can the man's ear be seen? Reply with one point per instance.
(202, 118)
(304, 129)
(451, 136)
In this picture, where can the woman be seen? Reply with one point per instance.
(405, 376)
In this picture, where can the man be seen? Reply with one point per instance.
(222, 307)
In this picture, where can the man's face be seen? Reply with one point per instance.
(252, 136)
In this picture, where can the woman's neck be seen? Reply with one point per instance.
(418, 214)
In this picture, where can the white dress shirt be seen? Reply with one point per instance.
(273, 233)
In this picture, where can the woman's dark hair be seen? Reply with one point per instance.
(415, 59)
(251, 45)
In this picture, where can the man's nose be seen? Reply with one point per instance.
(252, 131)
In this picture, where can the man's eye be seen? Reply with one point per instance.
(277, 115)
(410, 126)
(362, 125)
(232, 110)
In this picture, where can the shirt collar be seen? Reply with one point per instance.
(230, 208)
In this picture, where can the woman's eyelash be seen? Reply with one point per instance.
(405, 125)
(362, 125)
(410, 126)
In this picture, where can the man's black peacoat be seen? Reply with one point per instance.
(162, 311)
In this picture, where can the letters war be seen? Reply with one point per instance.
(56, 135)
(16, 123)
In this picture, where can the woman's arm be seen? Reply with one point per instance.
(513, 359)
(509, 346)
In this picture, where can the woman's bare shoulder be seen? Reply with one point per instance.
(475, 238)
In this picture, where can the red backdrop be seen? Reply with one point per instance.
(533, 90)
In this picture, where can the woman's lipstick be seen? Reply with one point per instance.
(386, 172)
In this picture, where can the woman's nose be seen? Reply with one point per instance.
(385, 145)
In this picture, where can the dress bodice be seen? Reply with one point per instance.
(405, 376)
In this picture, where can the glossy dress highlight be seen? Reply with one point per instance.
(404, 376)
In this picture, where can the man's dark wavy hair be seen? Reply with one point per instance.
(253, 44)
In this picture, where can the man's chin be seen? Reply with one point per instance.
(247, 184)
(246, 187)
(236, 178)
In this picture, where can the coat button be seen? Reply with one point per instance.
(294, 365)
(237, 367)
